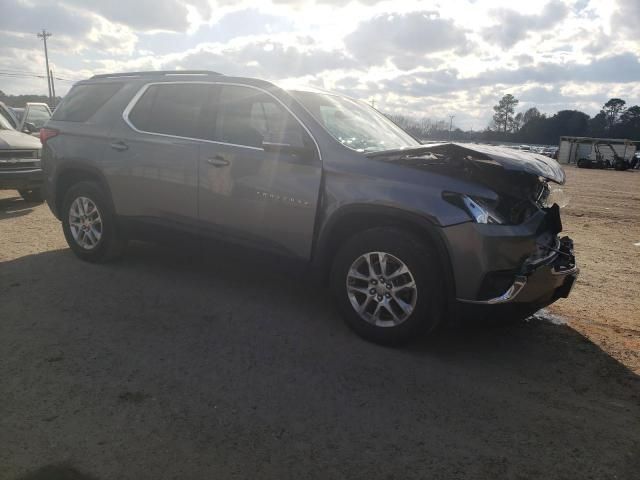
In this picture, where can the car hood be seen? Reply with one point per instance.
(480, 156)
(11, 139)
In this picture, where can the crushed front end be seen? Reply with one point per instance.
(509, 256)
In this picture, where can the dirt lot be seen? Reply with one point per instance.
(603, 218)
(168, 365)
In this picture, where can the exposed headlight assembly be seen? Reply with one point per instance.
(552, 194)
(479, 209)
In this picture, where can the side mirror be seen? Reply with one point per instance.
(290, 143)
(29, 128)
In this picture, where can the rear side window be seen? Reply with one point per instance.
(83, 101)
(171, 109)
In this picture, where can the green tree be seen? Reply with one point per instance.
(612, 110)
(598, 125)
(503, 116)
(518, 121)
(530, 114)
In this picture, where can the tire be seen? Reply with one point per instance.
(88, 245)
(621, 166)
(424, 268)
(582, 163)
(34, 196)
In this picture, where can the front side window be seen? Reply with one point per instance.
(170, 109)
(249, 117)
(354, 124)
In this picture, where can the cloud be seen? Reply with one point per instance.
(626, 18)
(512, 26)
(145, 15)
(622, 68)
(22, 17)
(265, 58)
(403, 38)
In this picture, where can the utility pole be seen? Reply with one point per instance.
(44, 36)
(53, 91)
(373, 102)
(451, 117)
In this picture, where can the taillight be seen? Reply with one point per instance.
(47, 133)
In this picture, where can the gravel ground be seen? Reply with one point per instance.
(173, 365)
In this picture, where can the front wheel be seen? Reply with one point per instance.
(387, 283)
(89, 223)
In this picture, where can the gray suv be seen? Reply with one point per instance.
(406, 234)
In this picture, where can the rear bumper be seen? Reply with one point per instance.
(28, 179)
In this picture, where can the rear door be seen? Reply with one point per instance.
(153, 157)
(264, 198)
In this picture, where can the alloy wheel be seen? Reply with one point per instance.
(381, 289)
(85, 223)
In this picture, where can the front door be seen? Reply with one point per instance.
(264, 198)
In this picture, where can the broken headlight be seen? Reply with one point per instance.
(480, 210)
(551, 195)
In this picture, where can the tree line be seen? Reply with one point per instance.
(20, 100)
(615, 120)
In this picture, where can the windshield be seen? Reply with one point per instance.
(355, 124)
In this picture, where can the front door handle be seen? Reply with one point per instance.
(119, 146)
(218, 161)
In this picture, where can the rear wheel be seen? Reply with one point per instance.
(89, 223)
(387, 284)
(34, 195)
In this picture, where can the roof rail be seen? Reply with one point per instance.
(155, 73)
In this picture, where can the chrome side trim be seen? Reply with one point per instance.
(132, 103)
(507, 296)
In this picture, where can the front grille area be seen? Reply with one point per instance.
(18, 154)
(13, 166)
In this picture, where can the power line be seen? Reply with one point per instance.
(32, 75)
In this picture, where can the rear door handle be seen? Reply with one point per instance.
(218, 161)
(119, 146)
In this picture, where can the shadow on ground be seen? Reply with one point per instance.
(56, 472)
(12, 207)
(171, 365)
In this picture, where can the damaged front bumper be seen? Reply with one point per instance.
(525, 265)
(546, 281)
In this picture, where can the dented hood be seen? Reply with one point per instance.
(481, 155)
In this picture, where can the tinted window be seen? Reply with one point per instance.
(83, 101)
(248, 117)
(172, 109)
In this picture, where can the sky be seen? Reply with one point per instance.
(416, 58)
